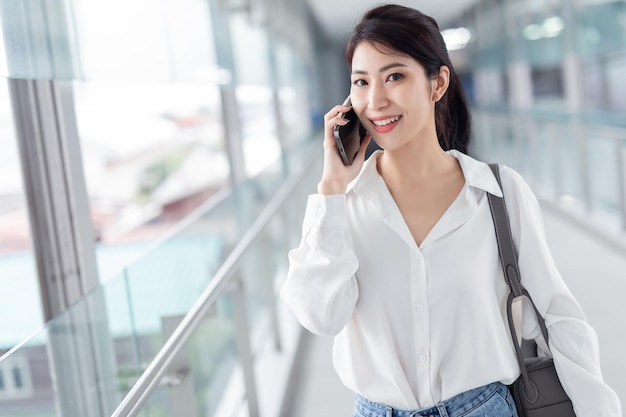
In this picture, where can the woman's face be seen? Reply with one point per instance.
(392, 96)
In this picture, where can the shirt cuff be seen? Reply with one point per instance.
(326, 210)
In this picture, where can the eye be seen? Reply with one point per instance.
(396, 76)
(359, 83)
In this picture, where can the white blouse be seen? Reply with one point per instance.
(415, 325)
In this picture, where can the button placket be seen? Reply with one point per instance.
(421, 323)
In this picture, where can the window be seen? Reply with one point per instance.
(547, 82)
(15, 377)
(18, 383)
(149, 160)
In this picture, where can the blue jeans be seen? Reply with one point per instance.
(493, 400)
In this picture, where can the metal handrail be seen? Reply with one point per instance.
(149, 380)
(219, 197)
(210, 204)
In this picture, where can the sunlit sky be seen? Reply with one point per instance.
(3, 57)
(132, 68)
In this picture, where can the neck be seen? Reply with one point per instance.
(419, 161)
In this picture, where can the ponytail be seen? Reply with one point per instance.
(452, 117)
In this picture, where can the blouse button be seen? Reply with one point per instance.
(419, 307)
(422, 358)
(320, 211)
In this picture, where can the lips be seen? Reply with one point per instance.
(385, 124)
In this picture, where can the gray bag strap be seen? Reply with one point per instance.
(508, 256)
(510, 267)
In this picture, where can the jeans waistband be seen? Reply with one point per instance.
(456, 405)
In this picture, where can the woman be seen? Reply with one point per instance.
(398, 258)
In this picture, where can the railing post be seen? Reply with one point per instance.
(182, 391)
(517, 136)
(557, 170)
(532, 147)
(270, 293)
(580, 135)
(244, 346)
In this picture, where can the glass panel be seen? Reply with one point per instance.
(600, 27)
(119, 327)
(59, 39)
(292, 86)
(557, 152)
(56, 366)
(167, 281)
(545, 51)
(122, 325)
(152, 154)
(602, 159)
(168, 28)
(216, 382)
(546, 151)
(18, 271)
(149, 116)
(255, 94)
(569, 154)
(152, 151)
(615, 88)
(4, 69)
(213, 358)
(208, 375)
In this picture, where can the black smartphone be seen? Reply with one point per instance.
(349, 137)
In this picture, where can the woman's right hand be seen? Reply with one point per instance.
(336, 176)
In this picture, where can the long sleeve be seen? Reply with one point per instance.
(320, 287)
(572, 341)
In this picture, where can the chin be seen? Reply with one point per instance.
(387, 145)
(383, 143)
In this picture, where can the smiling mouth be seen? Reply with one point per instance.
(386, 122)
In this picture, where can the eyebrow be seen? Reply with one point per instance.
(382, 69)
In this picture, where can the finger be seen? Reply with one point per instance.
(336, 111)
(334, 122)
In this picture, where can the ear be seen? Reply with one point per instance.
(440, 83)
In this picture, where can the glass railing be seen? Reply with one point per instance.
(86, 361)
(578, 160)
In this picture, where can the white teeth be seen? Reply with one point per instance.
(386, 121)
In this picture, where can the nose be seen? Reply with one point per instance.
(377, 98)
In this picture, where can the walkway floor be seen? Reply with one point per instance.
(596, 274)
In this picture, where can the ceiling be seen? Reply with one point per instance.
(338, 18)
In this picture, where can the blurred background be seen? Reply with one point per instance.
(155, 158)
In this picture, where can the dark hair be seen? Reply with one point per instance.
(410, 32)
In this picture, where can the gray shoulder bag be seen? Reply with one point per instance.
(538, 391)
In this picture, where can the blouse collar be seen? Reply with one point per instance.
(478, 175)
